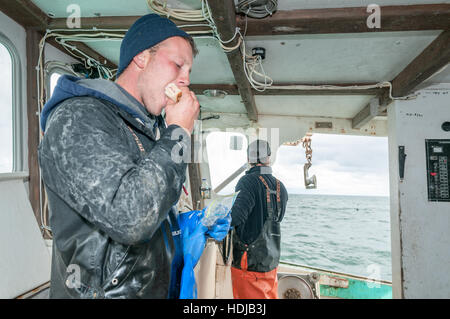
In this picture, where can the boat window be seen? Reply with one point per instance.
(53, 75)
(53, 71)
(6, 110)
(227, 152)
(53, 80)
(344, 224)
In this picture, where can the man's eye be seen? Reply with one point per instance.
(178, 66)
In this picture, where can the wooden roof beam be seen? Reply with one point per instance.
(310, 21)
(116, 22)
(376, 107)
(435, 57)
(232, 89)
(25, 13)
(349, 20)
(345, 90)
(223, 14)
(366, 114)
(85, 49)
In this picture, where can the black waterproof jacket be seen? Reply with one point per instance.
(249, 212)
(110, 193)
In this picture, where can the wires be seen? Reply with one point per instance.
(257, 8)
(253, 67)
(408, 97)
(254, 70)
(252, 64)
(379, 85)
(330, 87)
(84, 36)
(160, 7)
(89, 61)
(194, 15)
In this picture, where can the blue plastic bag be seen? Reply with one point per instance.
(195, 227)
(194, 238)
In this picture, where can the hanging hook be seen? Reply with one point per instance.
(310, 182)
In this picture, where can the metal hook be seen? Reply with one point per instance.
(310, 182)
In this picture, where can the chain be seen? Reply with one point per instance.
(306, 140)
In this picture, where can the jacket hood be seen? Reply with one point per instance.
(69, 86)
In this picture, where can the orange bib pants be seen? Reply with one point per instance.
(252, 284)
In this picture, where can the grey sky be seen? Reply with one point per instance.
(343, 165)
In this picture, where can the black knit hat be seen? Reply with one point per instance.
(145, 33)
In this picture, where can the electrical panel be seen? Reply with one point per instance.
(438, 170)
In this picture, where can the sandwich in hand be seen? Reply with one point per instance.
(173, 92)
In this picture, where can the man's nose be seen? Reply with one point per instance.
(183, 79)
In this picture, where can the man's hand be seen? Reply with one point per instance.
(220, 229)
(185, 112)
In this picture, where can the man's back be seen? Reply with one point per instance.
(256, 216)
(250, 208)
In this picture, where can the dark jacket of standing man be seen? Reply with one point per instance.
(256, 215)
(113, 170)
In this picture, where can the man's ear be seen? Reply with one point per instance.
(141, 59)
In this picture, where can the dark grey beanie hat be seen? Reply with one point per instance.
(145, 33)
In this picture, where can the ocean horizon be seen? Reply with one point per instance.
(342, 233)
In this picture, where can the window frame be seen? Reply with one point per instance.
(52, 67)
(18, 134)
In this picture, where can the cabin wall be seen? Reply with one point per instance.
(419, 227)
(25, 260)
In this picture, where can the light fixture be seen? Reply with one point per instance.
(260, 52)
(220, 94)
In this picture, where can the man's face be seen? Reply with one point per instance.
(171, 63)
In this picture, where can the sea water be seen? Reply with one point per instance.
(349, 234)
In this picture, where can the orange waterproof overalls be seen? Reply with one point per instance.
(254, 276)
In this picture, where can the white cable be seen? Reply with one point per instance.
(89, 61)
(258, 11)
(160, 7)
(408, 97)
(251, 64)
(93, 29)
(329, 87)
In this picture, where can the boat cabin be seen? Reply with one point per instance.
(279, 70)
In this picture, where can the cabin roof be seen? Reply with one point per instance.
(308, 43)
